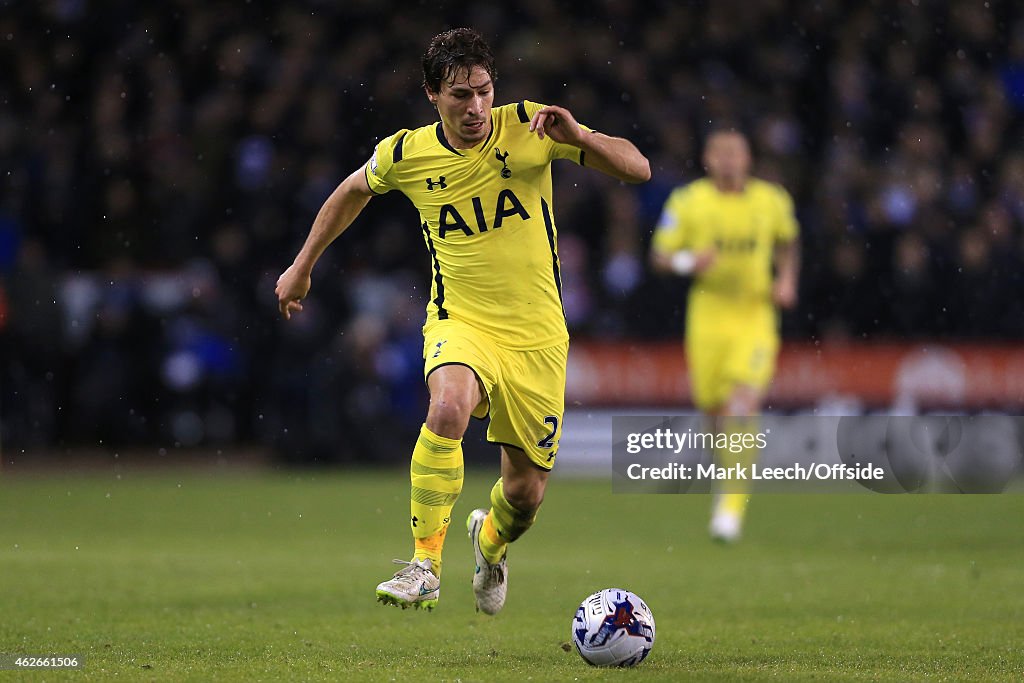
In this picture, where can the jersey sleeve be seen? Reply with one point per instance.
(378, 169)
(556, 150)
(786, 227)
(671, 234)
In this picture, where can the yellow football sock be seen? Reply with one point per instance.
(732, 503)
(436, 473)
(734, 494)
(503, 525)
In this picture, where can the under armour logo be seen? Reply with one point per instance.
(431, 183)
(505, 171)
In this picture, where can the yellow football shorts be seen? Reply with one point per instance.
(725, 351)
(525, 390)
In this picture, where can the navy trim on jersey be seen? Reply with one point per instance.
(366, 173)
(442, 314)
(444, 141)
(397, 155)
(581, 156)
(521, 110)
(551, 243)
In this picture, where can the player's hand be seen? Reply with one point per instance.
(558, 123)
(784, 293)
(704, 260)
(292, 288)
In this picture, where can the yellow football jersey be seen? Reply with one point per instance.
(742, 227)
(488, 223)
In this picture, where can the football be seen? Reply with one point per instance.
(613, 627)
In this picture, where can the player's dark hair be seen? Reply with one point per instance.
(452, 51)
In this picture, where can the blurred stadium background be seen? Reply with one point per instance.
(164, 160)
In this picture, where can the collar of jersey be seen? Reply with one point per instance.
(439, 129)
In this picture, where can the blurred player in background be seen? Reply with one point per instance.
(737, 237)
(495, 338)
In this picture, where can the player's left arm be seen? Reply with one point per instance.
(613, 156)
(787, 273)
(786, 254)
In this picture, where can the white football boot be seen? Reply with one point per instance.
(415, 585)
(725, 527)
(490, 581)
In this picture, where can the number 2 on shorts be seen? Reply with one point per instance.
(549, 440)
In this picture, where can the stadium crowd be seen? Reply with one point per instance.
(163, 161)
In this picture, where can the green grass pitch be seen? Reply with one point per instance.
(249, 577)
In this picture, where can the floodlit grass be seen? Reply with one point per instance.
(186, 576)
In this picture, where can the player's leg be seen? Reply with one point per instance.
(708, 347)
(526, 417)
(458, 371)
(436, 474)
(515, 499)
(436, 471)
(738, 417)
(747, 371)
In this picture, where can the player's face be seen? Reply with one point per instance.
(464, 104)
(727, 157)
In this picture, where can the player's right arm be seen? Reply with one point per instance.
(337, 213)
(670, 248)
(341, 208)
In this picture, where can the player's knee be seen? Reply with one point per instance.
(449, 414)
(743, 401)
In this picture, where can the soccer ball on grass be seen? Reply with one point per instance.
(613, 627)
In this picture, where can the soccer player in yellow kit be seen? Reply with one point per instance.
(737, 237)
(495, 340)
